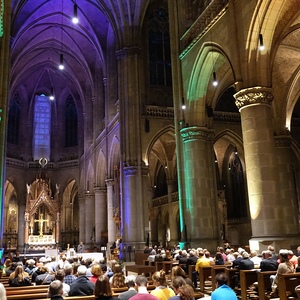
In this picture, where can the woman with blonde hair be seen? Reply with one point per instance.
(161, 291)
(19, 278)
(96, 272)
(178, 271)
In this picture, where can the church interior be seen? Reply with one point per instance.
(151, 122)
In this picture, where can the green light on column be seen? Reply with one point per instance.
(0, 115)
(1, 17)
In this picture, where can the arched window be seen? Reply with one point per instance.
(71, 121)
(159, 48)
(161, 183)
(14, 121)
(41, 128)
(235, 189)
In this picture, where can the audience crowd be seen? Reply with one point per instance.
(76, 276)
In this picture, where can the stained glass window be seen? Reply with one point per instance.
(41, 128)
(159, 48)
(71, 121)
(14, 121)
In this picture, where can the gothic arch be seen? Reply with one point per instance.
(114, 157)
(101, 169)
(210, 59)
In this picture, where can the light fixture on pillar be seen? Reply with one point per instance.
(61, 62)
(235, 151)
(75, 15)
(183, 106)
(261, 42)
(229, 167)
(51, 97)
(215, 81)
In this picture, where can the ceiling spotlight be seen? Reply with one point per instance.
(75, 17)
(61, 62)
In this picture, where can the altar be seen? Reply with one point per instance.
(37, 242)
(42, 215)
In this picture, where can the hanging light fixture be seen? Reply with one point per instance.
(61, 62)
(75, 15)
(183, 106)
(215, 81)
(51, 97)
(261, 42)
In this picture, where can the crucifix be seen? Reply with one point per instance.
(41, 222)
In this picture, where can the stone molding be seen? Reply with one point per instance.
(164, 199)
(126, 51)
(130, 171)
(159, 112)
(254, 95)
(212, 13)
(197, 133)
(109, 182)
(100, 189)
(283, 141)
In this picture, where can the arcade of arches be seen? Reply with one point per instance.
(114, 155)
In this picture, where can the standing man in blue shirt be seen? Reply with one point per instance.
(223, 291)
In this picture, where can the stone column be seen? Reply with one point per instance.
(21, 226)
(89, 217)
(26, 230)
(200, 193)
(133, 206)
(111, 225)
(172, 218)
(81, 226)
(4, 91)
(287, 189)
(153, 239)
(57, 231)
(134, 171)
(267, 210)
(100, 212)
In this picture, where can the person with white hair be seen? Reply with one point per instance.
(82, 286)
(130, 282)
(2, 292)
(284, 267)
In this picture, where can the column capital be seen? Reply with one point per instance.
(283, 141)
(88, 195)
(100, 189)
(126, 51)
(109, 182)
(130, 171)
(197, 133)
(254, 95)
(171, 182)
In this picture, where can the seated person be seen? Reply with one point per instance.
(223, 291)
(55, 291)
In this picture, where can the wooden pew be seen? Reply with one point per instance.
(287, 284)
(158, 265)
(214, 271)
(190, 270)
(27, 289)
(264, 283)
(247, 278)
(230, 273)
(28, 296)
(204, 275)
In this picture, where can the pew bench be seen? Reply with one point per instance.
(204, 276)
(247, 278)
(287, 284)
(214, 271)
(264, 283)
